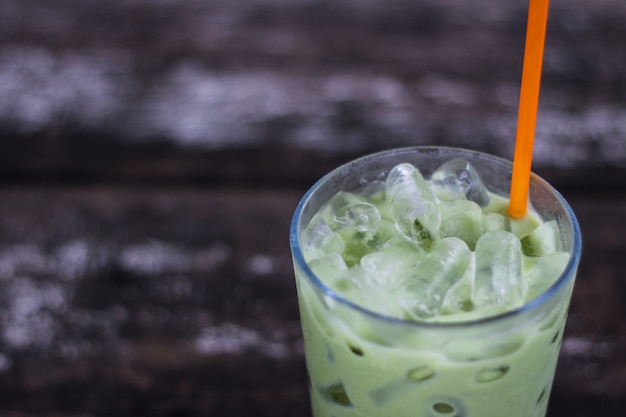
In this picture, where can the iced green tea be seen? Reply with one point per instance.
(419, 296)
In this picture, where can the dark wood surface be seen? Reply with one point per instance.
(152, 154)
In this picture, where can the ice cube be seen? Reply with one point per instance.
(382, 302)
(522, 227)
(545, 272)
(462, 219)
(374, 191)
(359, 243)
(498, 279)
(328, 267)
(458, 298)
(458, 179)
(342, 199)
(494, 221)
(423, 291)
(370, 292)
(336, 203)
(412, 204)
(541, 241)
(386, 268)
(356, 222)
(361, 216)
(318, 239)
(356, 275)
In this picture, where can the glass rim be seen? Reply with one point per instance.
(567, 274)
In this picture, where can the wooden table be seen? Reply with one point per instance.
(151, 157)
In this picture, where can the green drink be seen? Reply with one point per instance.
(419, 296)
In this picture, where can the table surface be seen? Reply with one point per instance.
(152, 154)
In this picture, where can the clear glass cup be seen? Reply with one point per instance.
(361, 363)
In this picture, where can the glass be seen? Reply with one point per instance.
(361, 363)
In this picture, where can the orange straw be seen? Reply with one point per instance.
(528, 103)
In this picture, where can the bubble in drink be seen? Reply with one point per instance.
(432, 277)
(458, 179)
(413, 205)
(498, 279)
(335, 393)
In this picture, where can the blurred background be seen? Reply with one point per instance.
(166, 90)
(152, 152)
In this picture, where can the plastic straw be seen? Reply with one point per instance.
(528, 103)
